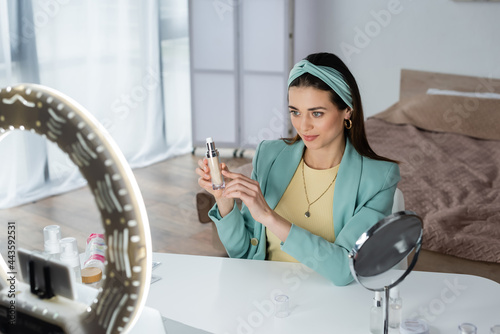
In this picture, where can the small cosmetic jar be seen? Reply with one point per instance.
(281, 303)
(414, 326)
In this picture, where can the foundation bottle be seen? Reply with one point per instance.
(214, 165)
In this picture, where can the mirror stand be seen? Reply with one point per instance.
(372, 266)
(386, 310)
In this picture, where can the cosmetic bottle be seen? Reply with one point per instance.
(93, 269)
(95, 252)
(376, 321)
(69, 256)
(214, 165)
(51, 238)
(395, 307)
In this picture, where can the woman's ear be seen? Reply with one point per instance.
(348, 113)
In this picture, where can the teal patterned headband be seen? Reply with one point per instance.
(328, 75)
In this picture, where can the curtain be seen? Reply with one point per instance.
(24, 165)
(114, 59)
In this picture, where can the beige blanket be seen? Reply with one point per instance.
(452, 181)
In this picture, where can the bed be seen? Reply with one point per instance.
(445, 131)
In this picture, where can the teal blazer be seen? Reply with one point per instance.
(364, 193)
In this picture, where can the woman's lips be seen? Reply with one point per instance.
(309, 138)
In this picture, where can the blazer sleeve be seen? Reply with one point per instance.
(330, 259)
(236, 229)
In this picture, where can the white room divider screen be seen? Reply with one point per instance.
(240, 59)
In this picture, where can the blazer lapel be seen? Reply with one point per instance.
(281, 172)
(346, 187)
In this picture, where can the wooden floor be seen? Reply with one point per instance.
(169, 190)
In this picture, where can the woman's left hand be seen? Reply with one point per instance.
(249, 192)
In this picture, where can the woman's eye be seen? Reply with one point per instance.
(317, 114)
(294, 112)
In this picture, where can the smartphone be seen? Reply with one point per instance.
(61, 279)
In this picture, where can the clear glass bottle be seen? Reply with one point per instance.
(376, 321)
(395, 307)
(69, 256)
(51, 239)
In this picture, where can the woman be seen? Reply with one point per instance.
(310, 197)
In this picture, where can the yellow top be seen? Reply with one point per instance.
(293, 205)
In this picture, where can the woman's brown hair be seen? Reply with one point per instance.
(356, 134)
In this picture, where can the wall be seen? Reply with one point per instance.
(377, 38)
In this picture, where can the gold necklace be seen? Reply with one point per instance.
(307, 213)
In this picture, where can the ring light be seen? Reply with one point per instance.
(120, 301)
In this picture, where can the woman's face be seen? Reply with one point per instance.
(316, 119)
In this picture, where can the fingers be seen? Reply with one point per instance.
(203, 169)
(202, 174)
(204, 183)
(234, 188)
(205, 179)
(203, 164)
(231, 175)
(237, 178)
(249, 194)
(240, 188)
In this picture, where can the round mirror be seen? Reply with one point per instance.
(385, 245)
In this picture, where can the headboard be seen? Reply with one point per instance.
(417, 82)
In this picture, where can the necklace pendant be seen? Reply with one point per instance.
(307, 214)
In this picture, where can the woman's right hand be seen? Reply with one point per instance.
(205, 180)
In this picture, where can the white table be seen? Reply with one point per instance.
(227, 296)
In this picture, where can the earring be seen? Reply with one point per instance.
(348, 124)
